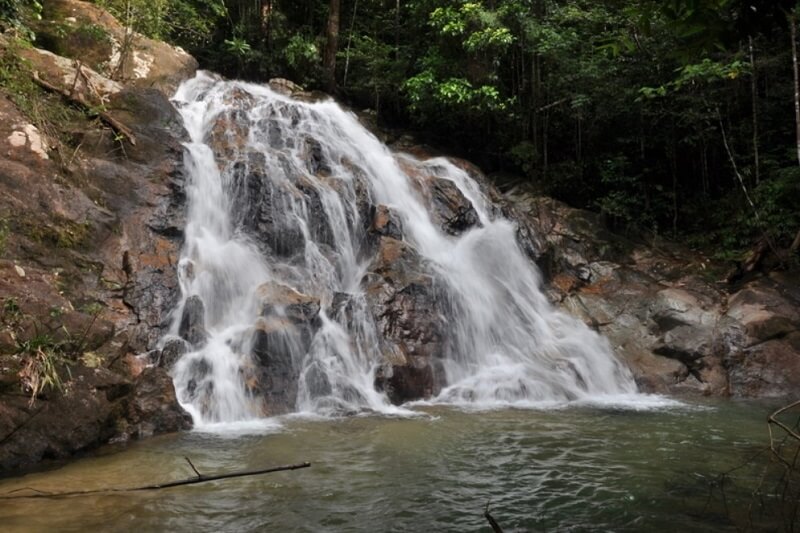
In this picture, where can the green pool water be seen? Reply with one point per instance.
(577, 468)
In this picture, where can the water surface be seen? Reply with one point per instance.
(578, 468)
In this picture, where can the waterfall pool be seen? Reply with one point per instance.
(576, 468)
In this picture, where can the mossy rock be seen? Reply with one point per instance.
(84, 41)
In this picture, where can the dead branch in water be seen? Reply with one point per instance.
(492, 522)
(157, 486)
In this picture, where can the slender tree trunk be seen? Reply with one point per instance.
(397, 31)
(545, 161)
(754, 97)
(332, 46)
(349, 42)
(793, 27)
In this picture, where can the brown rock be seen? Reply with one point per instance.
(401, 297)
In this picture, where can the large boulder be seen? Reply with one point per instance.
(281, 338)
(402, 299)
(452, 211)
(192, 326)
(86, 32)
(763, 333)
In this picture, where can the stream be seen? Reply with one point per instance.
(645, 466)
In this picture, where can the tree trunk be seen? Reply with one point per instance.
(793, 27)
(397, 31)
(754, 97)
(349, 42)
(332, 46)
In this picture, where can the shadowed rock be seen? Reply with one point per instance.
(192, 327)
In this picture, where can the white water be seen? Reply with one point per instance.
(506, 345)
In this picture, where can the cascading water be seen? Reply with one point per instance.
(279, 194)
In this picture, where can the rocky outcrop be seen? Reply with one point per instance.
(87, 33)
(192, 325)
(401, 296)
(88, 244)
(451, 210)
(677, 328)
(281, 338)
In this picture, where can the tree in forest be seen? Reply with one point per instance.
(332, 45)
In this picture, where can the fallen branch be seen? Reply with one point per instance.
(492, 522)
(78, 98)
(157, 486)
(773, 420)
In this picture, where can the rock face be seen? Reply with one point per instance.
(454, 213)
(88, 243)
(402, 298)
(678, 331)
(281, 339)
(85, 31)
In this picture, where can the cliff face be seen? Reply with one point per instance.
(90, 177)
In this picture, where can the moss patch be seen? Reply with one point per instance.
(48, 112)
(86, 41)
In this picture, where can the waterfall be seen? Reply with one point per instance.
(298, 300)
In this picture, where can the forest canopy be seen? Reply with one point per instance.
(674, 118)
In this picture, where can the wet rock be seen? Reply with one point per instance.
(402, 299)
(316, 159)
(451, 209)
(276, 345)
(406, 382)
(192, 326)
(173, 350)
(677, 331)
(762, 332)
(82, 415)
(763, 313)
(317, 219)
(266, 209)
(686, 325)
(153, 120)
(385, 222)
(282, 300)
(768, 369)
(284, 86)
(99, 276)
(154, 408)
(281, 339)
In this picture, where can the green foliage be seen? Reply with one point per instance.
(148, 17)
(624, 197)
(15, 13)
(191, 23)
(5, 231)
(11, 310)
(301, 52)
(43, 358)
(238, 47)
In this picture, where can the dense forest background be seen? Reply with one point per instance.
(674, 118)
